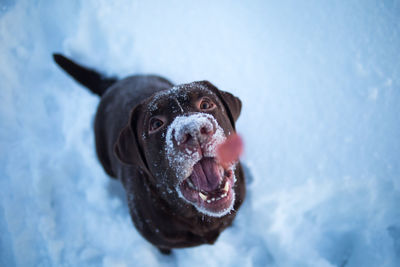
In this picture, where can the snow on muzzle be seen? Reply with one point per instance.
(189, 139)
(191, 143)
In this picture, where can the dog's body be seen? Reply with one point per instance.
(159, 140)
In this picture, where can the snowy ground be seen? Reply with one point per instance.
(320, 85)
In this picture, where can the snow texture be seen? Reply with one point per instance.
(320, 86)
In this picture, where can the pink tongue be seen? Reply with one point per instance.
(230, 150)
(205, 175)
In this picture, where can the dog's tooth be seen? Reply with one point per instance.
(208, 201)
(213, 199)
(203, 197)
(226, 187)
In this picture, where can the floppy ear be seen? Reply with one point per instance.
(127, 147)
(232, 104)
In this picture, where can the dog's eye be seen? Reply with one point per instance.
(206, 104)
(155, 124)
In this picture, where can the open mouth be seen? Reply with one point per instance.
(209, 187)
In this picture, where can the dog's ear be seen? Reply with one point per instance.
(127, 148)
(232, 104)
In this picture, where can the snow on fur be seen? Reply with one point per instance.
(183, 161)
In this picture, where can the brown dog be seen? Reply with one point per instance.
(159, 140)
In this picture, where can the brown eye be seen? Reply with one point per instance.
(206, 104)
(155, 124)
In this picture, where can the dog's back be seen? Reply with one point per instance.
(118, 97)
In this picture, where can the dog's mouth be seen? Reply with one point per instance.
(209, 187)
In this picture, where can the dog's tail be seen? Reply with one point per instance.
(89, 78)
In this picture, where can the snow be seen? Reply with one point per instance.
(319, 82)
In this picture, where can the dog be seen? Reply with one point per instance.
(159, 140)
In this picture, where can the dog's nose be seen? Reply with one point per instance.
(192, 137)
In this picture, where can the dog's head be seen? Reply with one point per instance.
(172, 137)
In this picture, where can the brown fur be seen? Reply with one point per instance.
(128, 153)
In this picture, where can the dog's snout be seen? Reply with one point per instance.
(207, 130)
(198, 132)
(192, 135)
(186, 138)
